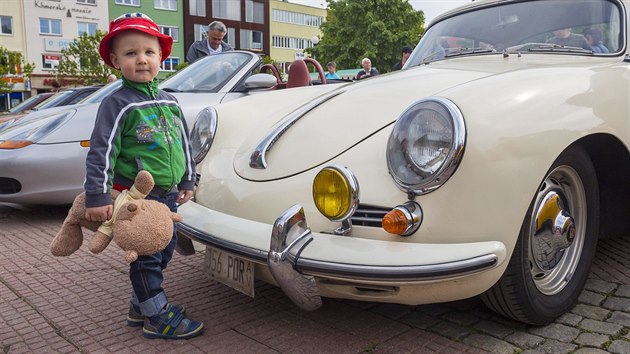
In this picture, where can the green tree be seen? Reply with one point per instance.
(376, 29)
(12, 64)
(82, 63)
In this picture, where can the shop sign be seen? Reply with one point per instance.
(56, 44)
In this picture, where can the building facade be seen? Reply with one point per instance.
(12, 38)
(247, 22)
(51, 26)
(293, 28)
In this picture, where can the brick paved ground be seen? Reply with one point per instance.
(78, 304)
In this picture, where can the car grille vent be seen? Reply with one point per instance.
(9, 185)
(368, 215)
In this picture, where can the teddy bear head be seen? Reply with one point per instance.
(143, 226)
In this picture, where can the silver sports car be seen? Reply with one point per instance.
(42, 155)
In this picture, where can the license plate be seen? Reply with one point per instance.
(231, 270)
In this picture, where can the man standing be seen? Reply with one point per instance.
(213, 45)
(367, 71)
(406, 52)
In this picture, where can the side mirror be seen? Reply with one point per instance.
(260, 81)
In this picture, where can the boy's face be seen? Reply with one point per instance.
(137, 55)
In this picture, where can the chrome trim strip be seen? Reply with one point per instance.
(380, 273)
(410, 272)
(257, 159)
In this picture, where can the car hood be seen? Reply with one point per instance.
(352, 114)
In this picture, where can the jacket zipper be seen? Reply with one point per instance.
(165, 131)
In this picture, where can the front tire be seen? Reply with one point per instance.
(555, 247)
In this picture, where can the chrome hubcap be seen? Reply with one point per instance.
(557, 230)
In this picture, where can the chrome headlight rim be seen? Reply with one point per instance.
(203, 132)
(353, 185)
(453, 157)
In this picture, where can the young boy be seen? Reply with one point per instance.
(139, 127)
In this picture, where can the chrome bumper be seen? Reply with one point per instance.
(295, 273)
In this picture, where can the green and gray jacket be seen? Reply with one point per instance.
(138, 127)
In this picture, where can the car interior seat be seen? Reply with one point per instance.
(298, 74)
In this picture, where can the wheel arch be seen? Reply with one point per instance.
(611, 160)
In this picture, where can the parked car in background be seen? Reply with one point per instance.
(68, 96)
(488, 166)
(30, 102)
(62, 98)
(54, 142)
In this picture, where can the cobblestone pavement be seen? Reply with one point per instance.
(78, 304)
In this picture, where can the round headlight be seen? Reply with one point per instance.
(203, 132)
(336, 192)
(426, 145)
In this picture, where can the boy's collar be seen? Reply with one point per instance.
(148, 88)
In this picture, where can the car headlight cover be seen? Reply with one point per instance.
(25, 133)
(203, 132)
(336, 192)
(426, 145)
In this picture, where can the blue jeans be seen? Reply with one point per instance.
(146, 272)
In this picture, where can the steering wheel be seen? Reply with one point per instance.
(274, 71)
(320, 70)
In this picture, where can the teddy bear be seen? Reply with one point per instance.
(138, 226)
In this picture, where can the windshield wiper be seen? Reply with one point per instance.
(169, 89)
(453, 52)
(546, 47)
(560, 48)
(435, 55)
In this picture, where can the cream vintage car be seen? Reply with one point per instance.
(488, 166)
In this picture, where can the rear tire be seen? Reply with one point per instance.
(556, 245)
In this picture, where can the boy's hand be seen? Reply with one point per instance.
(102, 213)
(184, 196)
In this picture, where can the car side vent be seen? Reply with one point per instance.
(9, 185)
(368, 215)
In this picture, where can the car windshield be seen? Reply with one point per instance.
(208, 74)
(546, 26)
(54, 100)
(27, 104)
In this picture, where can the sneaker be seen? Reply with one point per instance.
(135, 319)
(172, 324)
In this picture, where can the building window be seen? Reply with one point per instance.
(201, 32)
(230, 10)
(291, 42)
(49, 26)
(87, 28)
(165, 4)
(254, 11)
(251, 40)
(197, 7)
(170, 31)
(296, 18)
(6, 25)
(50, 62)
(170, 63)
(230, 37)
(127, 2)
(88, 2)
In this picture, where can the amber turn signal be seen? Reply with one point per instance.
(14, 144)
(403, 220)
(395, 222)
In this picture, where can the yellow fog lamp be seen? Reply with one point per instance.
(336, 192)
(404, 219)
